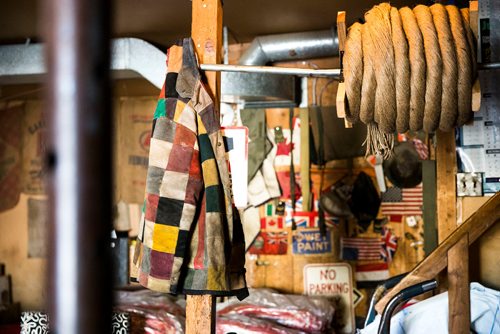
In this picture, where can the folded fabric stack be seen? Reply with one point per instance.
(271, 312)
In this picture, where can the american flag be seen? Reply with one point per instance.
(410, 204)
(421, 148)
(372, 272)
(389, 245)
(361, 249)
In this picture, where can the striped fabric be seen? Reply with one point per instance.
(361, 249)
(389, 245)
(190, 237)
(410, 204)
(306, 218)
(421, 148)
(372, 272)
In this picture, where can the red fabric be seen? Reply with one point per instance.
(284, 181)
(249, 326)
(10, 329)
(270, 243)
(298, 319)
(284, 148)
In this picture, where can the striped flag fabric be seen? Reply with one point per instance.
(421, 148)
(372, 272)
(389, 245)
(363, 249)
(306, 218)
(277, 238)
(410, 204)
(303, 219)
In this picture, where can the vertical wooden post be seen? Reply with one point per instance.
(458, 287)
(206, 31)
(341, 96)
(458, 255)
(79, 153)
(446, 184)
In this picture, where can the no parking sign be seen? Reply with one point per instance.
(332, 279)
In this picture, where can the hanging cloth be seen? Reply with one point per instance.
(190, 237)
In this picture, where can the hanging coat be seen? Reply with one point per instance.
(190, 237)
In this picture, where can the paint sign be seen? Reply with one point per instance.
(333, 279)
(311, 241)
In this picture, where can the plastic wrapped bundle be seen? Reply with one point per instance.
(246, 325)
(151, 312)
(303, 313)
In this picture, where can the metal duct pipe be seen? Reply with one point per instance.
(131, 58)
(300, 45)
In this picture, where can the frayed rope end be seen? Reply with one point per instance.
(378, 142)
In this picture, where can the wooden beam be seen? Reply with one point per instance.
(458, 287)
(458, 255)
(429, 212)
(474, 17)
(474, 23)
(472, 228)
(200, 314)
(446, 164)
(341, 96)
(206, 31)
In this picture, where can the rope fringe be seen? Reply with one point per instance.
(378, 142)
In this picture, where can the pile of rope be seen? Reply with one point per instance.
(409, 70)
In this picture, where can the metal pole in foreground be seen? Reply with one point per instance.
(79, 164)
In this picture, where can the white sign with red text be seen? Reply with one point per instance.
(333, 279)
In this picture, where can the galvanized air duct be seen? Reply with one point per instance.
(130, 58)
(300, 45)
(274, 90)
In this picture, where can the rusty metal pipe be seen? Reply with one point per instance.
(79, 164)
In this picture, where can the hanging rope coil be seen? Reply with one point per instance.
(417, 67)
(449, 95)
(409, 70)
(464, 65)
(368, 83)
(402, 64)
(355, 69)
(382, 55)
(470, 40)
(434, 72)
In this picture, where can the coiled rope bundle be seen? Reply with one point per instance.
(409, 70)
